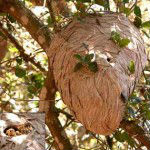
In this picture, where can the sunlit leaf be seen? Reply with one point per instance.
(131, 67)
(119, 136)
(146, 24)
(126, 11)
(115, 36)
(49, 21)
(124, 42)
(20, 72)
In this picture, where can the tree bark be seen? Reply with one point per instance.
(33, 25)
(48, 106)
(136, 131)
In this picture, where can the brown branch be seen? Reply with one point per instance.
(62, 7)
(28, 20)
(25, 57)
(136, 131)
(3, 47)
(119, 5)
(37, 2)
(49, 5)
(59, 6)
(48, 92)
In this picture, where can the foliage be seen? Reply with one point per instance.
(21, 81)
(86, 61)
(122, 42)
(131, 67)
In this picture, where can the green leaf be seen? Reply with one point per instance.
(131, 67)
(11, 19)
(115, 36)
(37, 77)
(135, 101)
(20, 72)
(137, 11)
(145, 109)
(49, 21)
(3, 14)
(32, 89)
(124, 42)
(147, 115)
(100, 2)
(78, 66)
(78, 56)
(126, 11)
(93, 67)
(125, 1)
(39, 85)
(131, 111)
(88, 58)
(38, 80)
(146, 24)
(137, 22)
(119, 137)
(19, 61)
(131, 141)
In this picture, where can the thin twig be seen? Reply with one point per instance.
(51, 11)
(131, 9)
(25, 57)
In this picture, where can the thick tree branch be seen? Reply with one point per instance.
(48, 92)
(28, 20)
(21, 50)
(49, 5)
(136, 131)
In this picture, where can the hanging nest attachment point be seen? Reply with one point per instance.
(96, 88)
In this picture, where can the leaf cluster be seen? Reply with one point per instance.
(86, 61)
(131, 67)
(122, 42)
(124, 137)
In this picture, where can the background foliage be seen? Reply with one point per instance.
(21, 80)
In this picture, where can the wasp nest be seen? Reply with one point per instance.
(115, 50)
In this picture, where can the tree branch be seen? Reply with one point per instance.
(48, 92)
(49, 5)
(135, 130)
(60, 6)
(3, 47)
(25, 57)
(28, 20)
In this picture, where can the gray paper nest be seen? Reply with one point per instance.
(95, 98)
